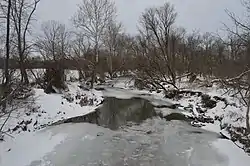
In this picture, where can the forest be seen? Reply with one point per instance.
(157, 58)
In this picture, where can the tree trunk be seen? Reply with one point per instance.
(21, 62)
(21, 51)
(248, 80)
(247, 117)
(110, 66)
(93, 76)
(171, 59)
(7, 46)
(96, 59)
(94, 72)
(81, 75)
(24, 74)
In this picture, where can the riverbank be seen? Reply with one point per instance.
(25, 127)
(215, 108)
(210, 107)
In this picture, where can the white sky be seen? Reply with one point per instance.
(203, 15)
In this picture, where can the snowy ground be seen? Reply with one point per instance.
(228, 115)
(43, 109)
(235, 155)
(76, 144)
(49, 108)
(24, 148)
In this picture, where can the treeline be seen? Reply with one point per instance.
(160, 52)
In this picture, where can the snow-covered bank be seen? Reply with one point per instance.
(22, 144)
(227, 112)
(213, 108)
(27, 147)
(25, 141)
(48, 108)
(235, 155)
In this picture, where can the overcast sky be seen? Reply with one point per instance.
(203, 15)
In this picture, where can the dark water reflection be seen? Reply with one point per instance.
(118, 112)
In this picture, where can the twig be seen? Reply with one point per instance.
(5, 121)
(6, 133)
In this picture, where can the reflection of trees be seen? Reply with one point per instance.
(116, 112)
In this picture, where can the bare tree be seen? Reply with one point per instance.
(81, 46)
(92, 19)
(54, 46)
(5, 10)
(156, 26)
(5, 78)
(7, 45)
(192, 43)
(22, 12)
(240, 87)
(111, 41)
(6, 69)
(54, 43)
(240, 46)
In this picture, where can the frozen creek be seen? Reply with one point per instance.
(129, 132)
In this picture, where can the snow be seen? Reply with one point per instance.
(33, 74)
(123, 83)
(233, 114)
(50, 108)
(212, 127)
(52, 103)
(26, 148)
(235, 155)
(195, 110)
(72, 75)
(118, 93)
(34, 148)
